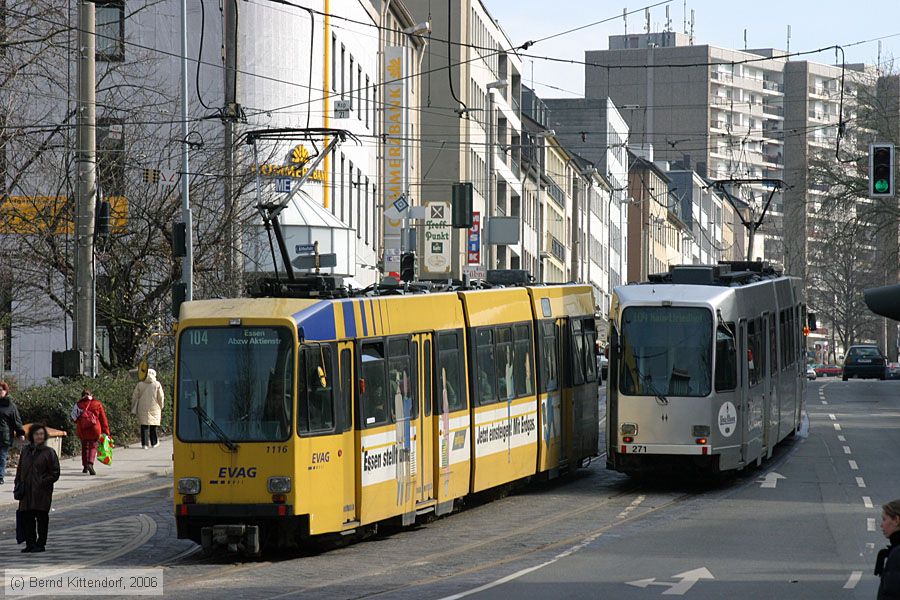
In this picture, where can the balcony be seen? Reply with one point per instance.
(557, 195)
(771, 109)
(557, 248)
(773, 86)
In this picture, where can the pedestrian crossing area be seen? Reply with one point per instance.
(80, 546)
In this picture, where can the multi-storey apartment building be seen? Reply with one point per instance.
(594, 129)
(471, 128)
(284, 80)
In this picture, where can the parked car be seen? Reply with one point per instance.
(828, 370)
(865, 362)
(893, 370)
(810, 372)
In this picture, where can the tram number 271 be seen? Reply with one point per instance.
(637, 449)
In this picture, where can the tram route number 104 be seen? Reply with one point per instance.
(198, 337)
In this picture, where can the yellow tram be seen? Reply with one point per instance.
(303, 417)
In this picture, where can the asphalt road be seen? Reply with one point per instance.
(593, 534)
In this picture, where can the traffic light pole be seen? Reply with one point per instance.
(187, 270)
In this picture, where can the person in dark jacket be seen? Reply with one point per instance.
(38, 471)
(887, 565)
(10, 426)
(90, 422)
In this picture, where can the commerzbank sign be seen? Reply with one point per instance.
(294, 166)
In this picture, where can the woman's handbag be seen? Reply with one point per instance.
(104, 449)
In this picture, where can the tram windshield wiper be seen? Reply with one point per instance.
(648, 382)
(214, 428)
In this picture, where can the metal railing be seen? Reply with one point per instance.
(557, 194)
(773, 85)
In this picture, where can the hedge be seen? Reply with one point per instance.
(51, 404)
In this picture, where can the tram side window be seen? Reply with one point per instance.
(485, 371)
(782, 330)
(401, 380)
(549, 358)
(505, 383)
(754, 362)
(315, 391)
(726, 358)
(373, 390)
(426, 371)
(346, 405)
(773, 346)
(523, 369)
(589, 355)
(576, 351)
(449, 379)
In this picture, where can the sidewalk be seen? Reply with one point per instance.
(130, 464)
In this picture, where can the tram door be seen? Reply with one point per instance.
(424, 437)
(348, 439)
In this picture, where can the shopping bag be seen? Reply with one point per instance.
(104, 449)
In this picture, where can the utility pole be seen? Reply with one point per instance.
(86, 187)
(187, 270)
(231, 112)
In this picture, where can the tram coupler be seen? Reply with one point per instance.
(234, 538)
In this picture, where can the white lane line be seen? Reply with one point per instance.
(855, 576)
(837, 426)
(853, 465)
(860, 482)
(824, 402)
(870, 524)
(832, 417)
(847, 450)
(634, 504)
(523, 572)
(867, 502)
(842, 438)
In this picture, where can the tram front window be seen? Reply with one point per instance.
(237, 380)
(666, 351)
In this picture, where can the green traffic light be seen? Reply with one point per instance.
(881, 185)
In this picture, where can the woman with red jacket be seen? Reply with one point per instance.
(90, 422)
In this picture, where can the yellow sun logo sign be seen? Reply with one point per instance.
(300, 155)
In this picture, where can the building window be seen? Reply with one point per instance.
(368, 210)
(349, 197)
(367, 101)
(351, 84)
(111, 157)
(110, 39)
(359, 203)
(333, 63)
(342, 189)
(343, 67)
(359, 104)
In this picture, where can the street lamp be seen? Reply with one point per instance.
(418, 29)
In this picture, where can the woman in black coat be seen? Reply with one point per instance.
(888, 564)
(38, 471)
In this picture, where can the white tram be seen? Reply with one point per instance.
(706, 368)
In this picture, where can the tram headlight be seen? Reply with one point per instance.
(189, 486)
(629, 428)
(699, 431)
(279, 485)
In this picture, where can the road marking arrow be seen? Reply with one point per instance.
(770, 480)
(679, 588)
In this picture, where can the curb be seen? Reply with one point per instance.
(101, 486)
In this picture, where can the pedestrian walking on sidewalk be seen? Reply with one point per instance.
(147, 402)
(10, 426)
(887, 566)
(38, 471)
(90, 423)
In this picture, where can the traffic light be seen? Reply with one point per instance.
(179, 239)
(462, 205)
(881, 170)
(179, 295)
(408, 266)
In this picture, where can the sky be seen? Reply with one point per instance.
(814, 24)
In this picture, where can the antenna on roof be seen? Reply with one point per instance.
(745, 39)
(684, 18)
(788, 42)
(647, 18)
(668, 20)
(691, 35)
(625, 19)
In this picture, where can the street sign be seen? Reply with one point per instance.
(475, 272)
(309, 261)
(437, 254)
(400, 204)
(305, 249)
(341, 109)
(283, 185)
(473, 243)
(687, 580)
